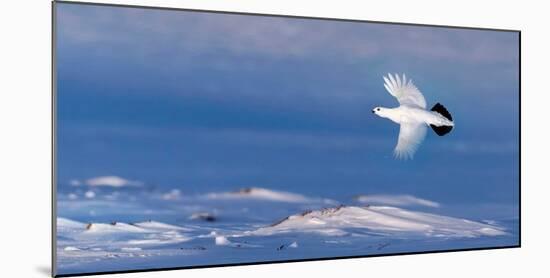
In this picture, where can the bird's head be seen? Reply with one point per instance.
(381, 111)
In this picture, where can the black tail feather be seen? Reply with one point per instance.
(442, 110)
(442, 130)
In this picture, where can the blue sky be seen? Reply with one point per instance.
(205, 101)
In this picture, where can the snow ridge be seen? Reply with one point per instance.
(383, 219)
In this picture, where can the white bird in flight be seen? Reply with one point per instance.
(412, 115)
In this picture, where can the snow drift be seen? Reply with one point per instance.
(128, 235)
(381, 220)
(395, 200)
(112, 181)
(257, 193)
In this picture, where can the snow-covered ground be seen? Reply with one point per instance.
(139, 228)
(256, 193)
(390, 221)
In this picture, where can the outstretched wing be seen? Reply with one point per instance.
(404, 91)
(410, 137)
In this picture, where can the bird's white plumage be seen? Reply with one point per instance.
(410, 137)
(411, 115)
(404, 91)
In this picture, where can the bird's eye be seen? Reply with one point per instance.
(377, 109)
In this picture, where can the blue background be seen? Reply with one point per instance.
(203, 102)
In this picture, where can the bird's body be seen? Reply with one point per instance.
(412, 115)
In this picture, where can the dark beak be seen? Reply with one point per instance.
(372, 111)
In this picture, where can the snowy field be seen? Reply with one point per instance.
(117, 229)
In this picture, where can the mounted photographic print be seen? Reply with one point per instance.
(187, 138)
